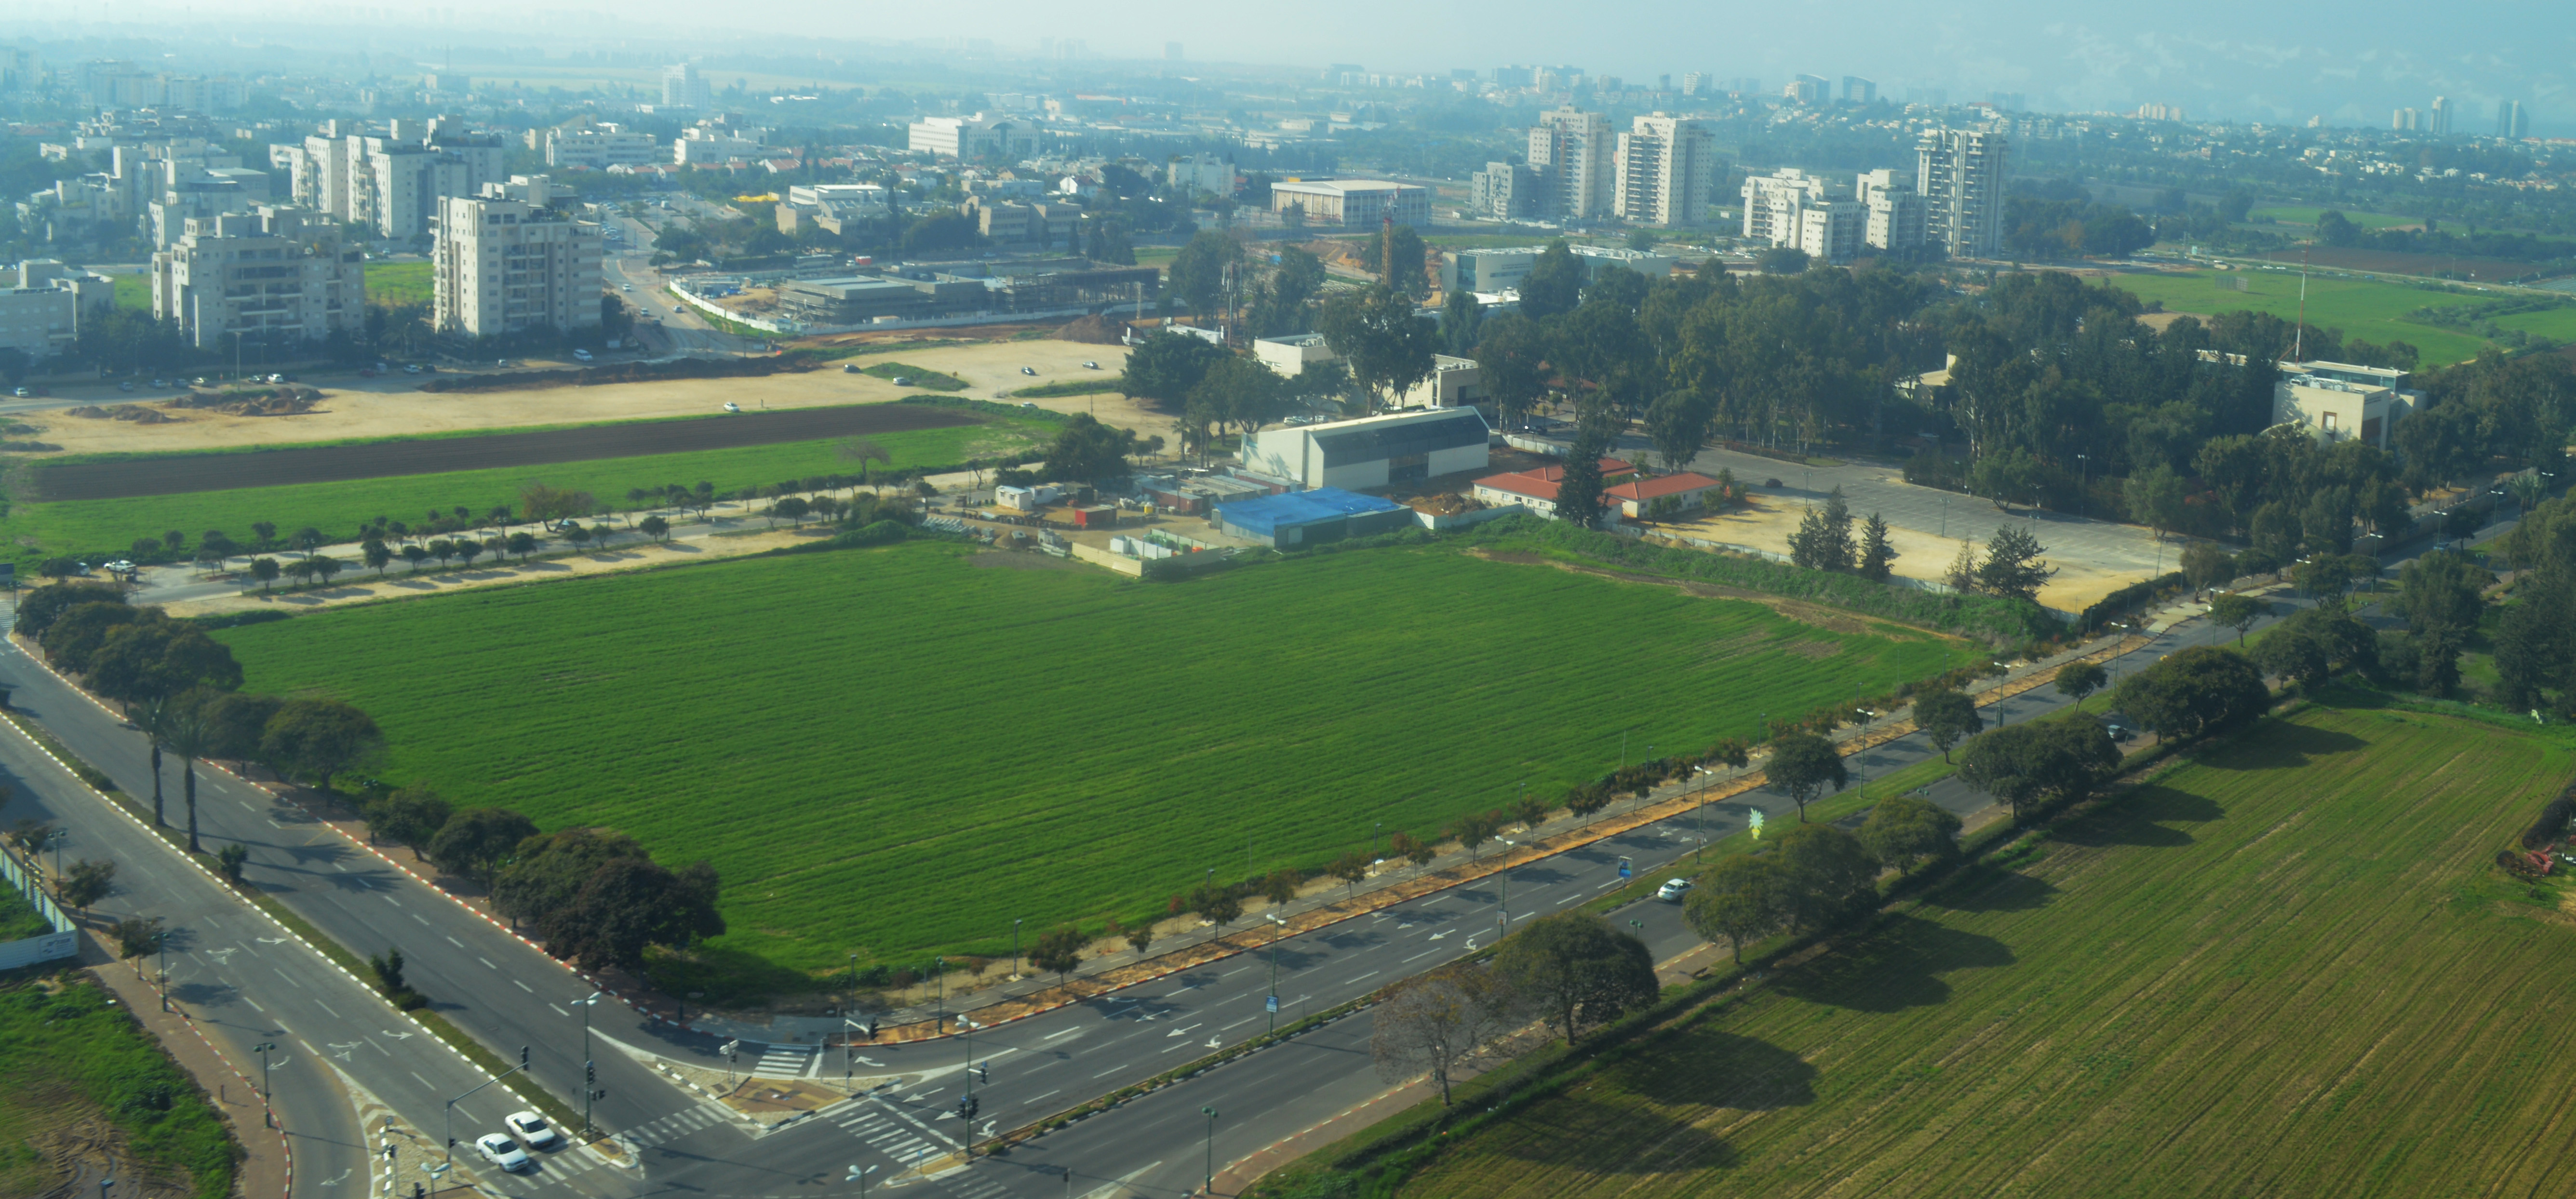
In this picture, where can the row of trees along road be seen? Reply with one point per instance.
(594, 894)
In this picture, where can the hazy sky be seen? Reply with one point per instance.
(2351, 61)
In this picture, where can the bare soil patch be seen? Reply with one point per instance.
(334, 464)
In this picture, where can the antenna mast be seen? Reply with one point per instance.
(2299, 338)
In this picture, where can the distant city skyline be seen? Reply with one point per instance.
(2273, 63)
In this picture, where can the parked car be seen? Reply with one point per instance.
(581, 355)
(903, 380)
(730, 406)
(1673, 890)
(2119, 726)
(277, 378)
(501, 1151)
(127, 385)
(1090, 366)
(1770, 482)
(411, 368)
(160, 382)
(21, 392)
(849, 368)
(1029, 370)
(532, 1129)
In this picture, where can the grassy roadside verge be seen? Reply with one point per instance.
(339, 955)
(75, 1058)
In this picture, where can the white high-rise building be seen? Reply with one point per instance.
(2511, 120)
(276, 274)
(513, 258)
(1895, 221)
(1666, 168)
(2441, 117)
(1575, 155)
(1831, 230)
(1773, 202)
(393, 181)
(683, 87)
(1960, 175)
(1504, 191)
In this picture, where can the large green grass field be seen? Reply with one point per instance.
(901, 751)
(2287, 968)
(75, 527)
(2363, 308)
(74, 1060)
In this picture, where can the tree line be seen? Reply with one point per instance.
(593, 894)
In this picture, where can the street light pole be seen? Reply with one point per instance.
(1503, 910)
(1210, 1113)
(1015, 945)
(161, 938)
(267, 1089)
(1273, 1002)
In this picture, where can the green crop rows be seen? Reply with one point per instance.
(901, 751)
(2290, 968)
(108, 526)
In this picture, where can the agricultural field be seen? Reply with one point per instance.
(2364, 308)
(2289, 967)
(87, 1083)
(72, 527)
(901, 751)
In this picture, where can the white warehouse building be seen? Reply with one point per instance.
(1373, 451)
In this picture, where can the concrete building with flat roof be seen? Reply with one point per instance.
(514, 258)
(1960, 175)
(1372, 451)
(1501, 269)
(1666, 168)
(2337, 401)
(1353, 203)
(978, 136)
(275, 274)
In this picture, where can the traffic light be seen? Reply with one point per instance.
(590, 1073)
(523, 1057)
(984, 1072)
(416, 1192)
(967, 1106)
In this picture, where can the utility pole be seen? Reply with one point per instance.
(267, 1089)
(1272, 1002)
(1210, 1187)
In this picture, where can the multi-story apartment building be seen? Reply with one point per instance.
(1773, 202)
(978, 136)
(597, 146)
(1895, 221)
(683, 87)
(1666, 168)
(513, 258)
(703, 144)
(41, 312)
(275, 274)
(1504, 191)
(1960, 175)
(1195, 173)
(1575, 157)
(393, 181)
(1832, 230)
(2440, 121)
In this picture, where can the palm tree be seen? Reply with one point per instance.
(154, 717)
(190, 735)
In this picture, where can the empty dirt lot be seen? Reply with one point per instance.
(395, 407)
(334, 464)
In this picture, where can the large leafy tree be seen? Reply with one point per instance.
(1167, 366)
(1677, 423)
(1905, 829)
(478, 842)
(1511, 361)
(1432, 1023)
(1554, 284)
(1088, 451)
(321, 738)
(1387, 344)
(1804, 766)
(1828, 873)
(2053, 761)
(1740, 900)
(1577, 971)
(1197, 275)
(2195, 691)
(2013, 567)
(1946, 718)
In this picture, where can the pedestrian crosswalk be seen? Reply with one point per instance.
(678, 1124)
(891, 1135)
(785, 1061)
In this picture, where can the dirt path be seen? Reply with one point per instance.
(633, 555)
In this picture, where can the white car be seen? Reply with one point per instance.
(532, 1128)
(1673, 890)
(501, 1151)
(1029, 370)
(583, 355)
(730, 406)
(1091, 366)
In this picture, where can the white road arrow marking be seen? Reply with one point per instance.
(1178, 1031)
(343, 1049)
(871, 1062)
(344, 1176)
(1442, 933)
(272, 940)
(399, 1036)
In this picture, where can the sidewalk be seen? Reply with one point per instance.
(269, 1165)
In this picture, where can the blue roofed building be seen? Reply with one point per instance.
(1311, 517)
